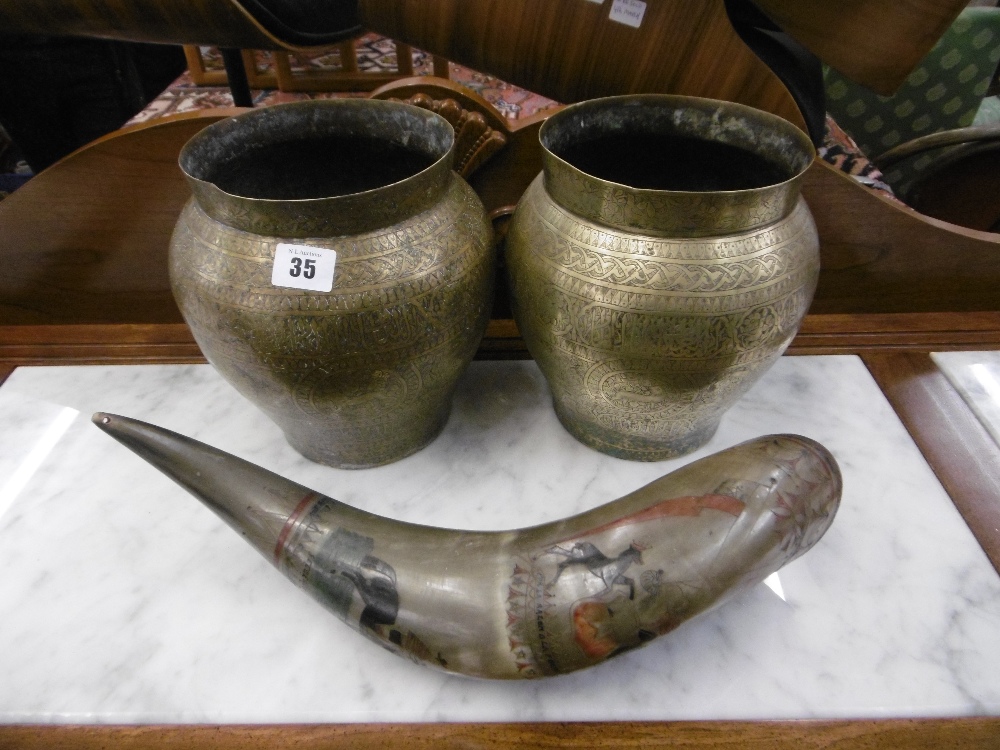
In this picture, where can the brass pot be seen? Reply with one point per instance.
(360, 374)
(660, 264)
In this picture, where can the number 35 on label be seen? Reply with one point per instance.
(304, 267)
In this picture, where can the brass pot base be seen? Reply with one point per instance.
(326, 447)
(633, 448)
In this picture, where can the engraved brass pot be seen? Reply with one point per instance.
(363, 374)
(660, 264)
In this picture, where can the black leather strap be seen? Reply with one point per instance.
(797, 67)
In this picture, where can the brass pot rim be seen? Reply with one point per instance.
(574, 109)
(346, 213)
(682, 213)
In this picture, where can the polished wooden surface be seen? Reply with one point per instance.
(902, 734)
(94, 344)
(570, 50)
(86, 240)
(880, 256)
(224, 23)
(165, 343)
(876, 44)
(858, 333)
(678, 45)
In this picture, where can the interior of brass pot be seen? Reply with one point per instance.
(660, 142)
(317, 149)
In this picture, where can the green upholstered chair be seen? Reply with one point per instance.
(943, 93)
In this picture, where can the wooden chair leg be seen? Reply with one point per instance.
(441, 69)
(282, 70)
(200, 75)
(348, 57)
(404, 59)
(259, 79)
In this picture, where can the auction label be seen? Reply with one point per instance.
(628, 12)
(304, 267)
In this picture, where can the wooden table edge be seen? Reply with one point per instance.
(148, 343)
(872, 734)
(954, 443)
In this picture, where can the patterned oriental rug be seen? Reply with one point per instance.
(374, 54)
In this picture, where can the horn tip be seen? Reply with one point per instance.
(106, 422)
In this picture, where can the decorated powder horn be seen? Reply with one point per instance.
(533, 602)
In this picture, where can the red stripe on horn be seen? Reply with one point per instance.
(304, 504)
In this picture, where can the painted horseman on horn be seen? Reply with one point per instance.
(611, 570)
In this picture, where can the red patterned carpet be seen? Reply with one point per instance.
(374, 54)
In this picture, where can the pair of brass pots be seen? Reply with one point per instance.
(651, 290)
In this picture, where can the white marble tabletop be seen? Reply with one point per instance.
(122, 599)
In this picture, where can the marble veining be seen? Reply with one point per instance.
(122, 599)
